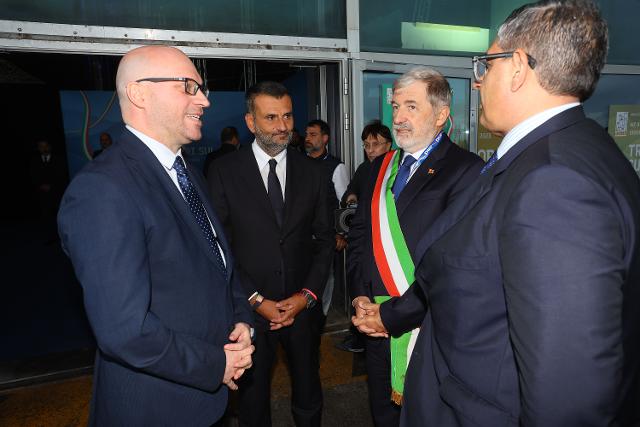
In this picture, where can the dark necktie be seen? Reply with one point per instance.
(403, 176)
(197, 209)
(490, 162)
(275, 192)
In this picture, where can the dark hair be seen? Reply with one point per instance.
(324, 127)
(376, 128)
(274, 89)
(568, 39)
(228, 133)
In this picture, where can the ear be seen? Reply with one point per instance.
(325, 139)
(520, 71)
(137, 94)
(442, 116)
(249, 120)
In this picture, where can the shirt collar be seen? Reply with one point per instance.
(263, 158)
(165, 156)
(524, 128)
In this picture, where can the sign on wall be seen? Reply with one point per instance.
(624, 128)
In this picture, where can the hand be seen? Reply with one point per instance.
(370, 322)
(268, 310)
(351, 198)
(237, 362)
(357, 304)
(341, 242)
(240, 337)
(289, 309)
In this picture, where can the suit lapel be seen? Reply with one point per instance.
(475, 192)
(425, 172)
(146, 165)
(291, 187)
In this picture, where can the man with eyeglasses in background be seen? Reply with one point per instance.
(170, 317)
(376, 141)
(533, 276)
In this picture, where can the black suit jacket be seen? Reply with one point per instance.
(215, 155)
(532, 278)
(159, 306)
(277, 261)
(447, 171)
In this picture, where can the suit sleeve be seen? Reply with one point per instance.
(562, 254)
(404, 313)
(241, 309)
(323, 241)
(102, 232)
(359, 238)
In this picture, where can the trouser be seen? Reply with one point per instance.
(378, 362)
(301, 343)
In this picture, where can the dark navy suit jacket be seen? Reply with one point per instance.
(158, 304)
(447, 171)
(532, 278)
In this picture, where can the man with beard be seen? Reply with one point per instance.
(407, 191)
(533, 274)
(272, 202)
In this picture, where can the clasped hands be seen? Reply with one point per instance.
(367, 318)
(238, 354)
(282, 313)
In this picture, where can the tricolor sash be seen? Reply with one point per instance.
(394, 263)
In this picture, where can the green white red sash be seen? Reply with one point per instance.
(394, 263)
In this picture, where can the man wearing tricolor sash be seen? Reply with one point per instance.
(408, 188)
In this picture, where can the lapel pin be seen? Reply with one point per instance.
(431, 171)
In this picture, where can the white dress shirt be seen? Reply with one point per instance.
(167, 158)
(416, 155)
(263, 165)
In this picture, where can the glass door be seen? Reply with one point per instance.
(372, 82)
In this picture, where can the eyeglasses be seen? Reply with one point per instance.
(480, 63)
(191, 87)
(370, 145)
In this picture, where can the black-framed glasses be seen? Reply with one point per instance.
(480, 63)
(191, 86)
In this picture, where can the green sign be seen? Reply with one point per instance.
(624, 127)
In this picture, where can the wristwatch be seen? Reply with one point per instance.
(255, 300)
(311, 301)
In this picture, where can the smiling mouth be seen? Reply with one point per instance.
(195, 116)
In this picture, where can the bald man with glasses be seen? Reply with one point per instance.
(170, 318)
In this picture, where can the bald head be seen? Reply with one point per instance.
(148, 61)
(161, 109)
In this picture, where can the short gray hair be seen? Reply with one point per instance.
(438, 89)
(567, 38)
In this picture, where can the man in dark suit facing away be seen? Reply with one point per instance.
(533, 274)
(272, 202)
(160, 289)
(393, 213)
(230, 143)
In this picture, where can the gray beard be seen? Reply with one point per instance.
(268, 145)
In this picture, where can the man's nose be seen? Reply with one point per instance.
(398, 117)
(203, 100)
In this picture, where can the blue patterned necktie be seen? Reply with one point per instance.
(490, 162)
(197, 209)
(403, 176)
